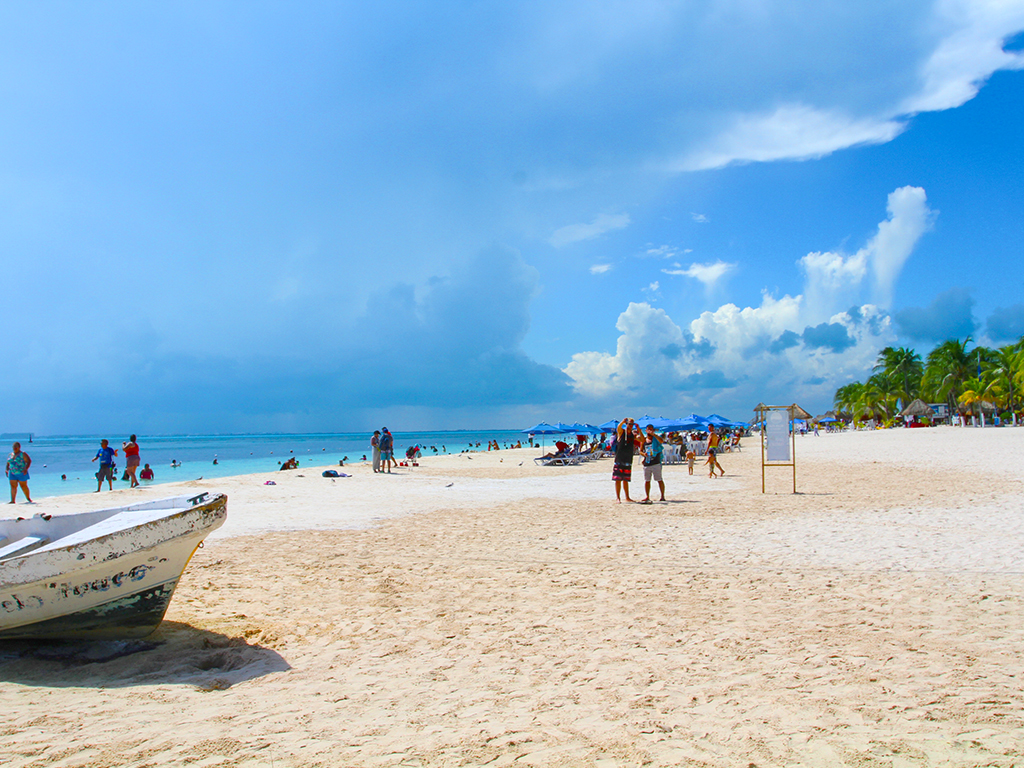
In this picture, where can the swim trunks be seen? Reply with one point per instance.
(652, 472)
(18, 477)
(622, 472)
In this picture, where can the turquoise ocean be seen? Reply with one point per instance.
(71, 456)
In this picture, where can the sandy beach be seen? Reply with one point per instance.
(481, 610)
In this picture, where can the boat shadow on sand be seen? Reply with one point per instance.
(175, 654)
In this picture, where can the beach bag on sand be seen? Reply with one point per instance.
(330, 473)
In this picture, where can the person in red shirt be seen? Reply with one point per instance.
(131, 459)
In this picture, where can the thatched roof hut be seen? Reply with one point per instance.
(918, 408)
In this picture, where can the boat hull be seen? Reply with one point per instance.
(118, 585)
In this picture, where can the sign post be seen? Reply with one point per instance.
(778, 439)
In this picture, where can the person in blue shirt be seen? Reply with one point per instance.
(106, 456)
(653, 453)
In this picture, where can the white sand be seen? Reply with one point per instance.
(518, 615)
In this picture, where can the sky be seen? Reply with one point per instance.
(256, 217)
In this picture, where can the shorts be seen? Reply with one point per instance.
(387, 455)
(622, 472)
(131, 461)
(652, 471)
(106, 472)
(18, 477)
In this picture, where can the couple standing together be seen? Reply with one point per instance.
(629, 438)
(383, 446)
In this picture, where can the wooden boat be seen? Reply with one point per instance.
(103, 574)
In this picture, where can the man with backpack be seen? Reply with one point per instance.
(387, 450)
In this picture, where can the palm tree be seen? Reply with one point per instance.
(946, 369)
(974, 393)
(1007, 369)
(901, 365)
(847, 396)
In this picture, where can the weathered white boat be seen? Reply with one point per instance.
(103, 574)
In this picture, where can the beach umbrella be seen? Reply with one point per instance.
(543, 429)
(566, 428)
(585, 429)
(608, 426)
(658, 422)
(718, 421)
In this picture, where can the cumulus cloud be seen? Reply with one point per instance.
(833, 277)
(786, 348)
(949, 316)
(732, 355)
(700, 218)
(600, 269)
(574, 233)
(708, 274)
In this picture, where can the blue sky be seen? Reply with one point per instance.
(225, 217)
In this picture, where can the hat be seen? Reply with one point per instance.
(385, 429)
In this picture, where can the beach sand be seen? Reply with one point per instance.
(481, 610)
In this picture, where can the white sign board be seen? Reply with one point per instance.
(777, 435)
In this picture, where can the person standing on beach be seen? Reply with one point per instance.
(375, 449)
(652, 464)
(713, 462)
(387, 449)
(106, 456)
(17, 472)
(622, 470)
(131, 459)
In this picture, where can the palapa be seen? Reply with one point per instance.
(918, 408)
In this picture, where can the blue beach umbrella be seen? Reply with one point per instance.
(718, 421)
(608, 426)
(546, 429)
(542, 429)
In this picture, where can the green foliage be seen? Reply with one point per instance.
(963, 378)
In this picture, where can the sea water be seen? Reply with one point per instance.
(71, 456)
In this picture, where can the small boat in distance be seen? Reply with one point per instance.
(99, 575)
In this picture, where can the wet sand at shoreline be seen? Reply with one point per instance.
(479, 611)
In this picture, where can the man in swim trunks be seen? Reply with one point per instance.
(387, 450)
(623, 468)
(652, 464)
(106, 456)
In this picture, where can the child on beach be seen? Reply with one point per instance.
(690, 456)
(713, 462)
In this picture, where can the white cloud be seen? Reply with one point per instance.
(833, 279)
(700, 218)
(708, 274)
(790, 132)
(729, 356)
(909, 218)
(652, 288)
(785, 349)
(574, 233)
(969, 52)
(600, 269)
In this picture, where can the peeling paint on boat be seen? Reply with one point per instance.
(106, 574)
